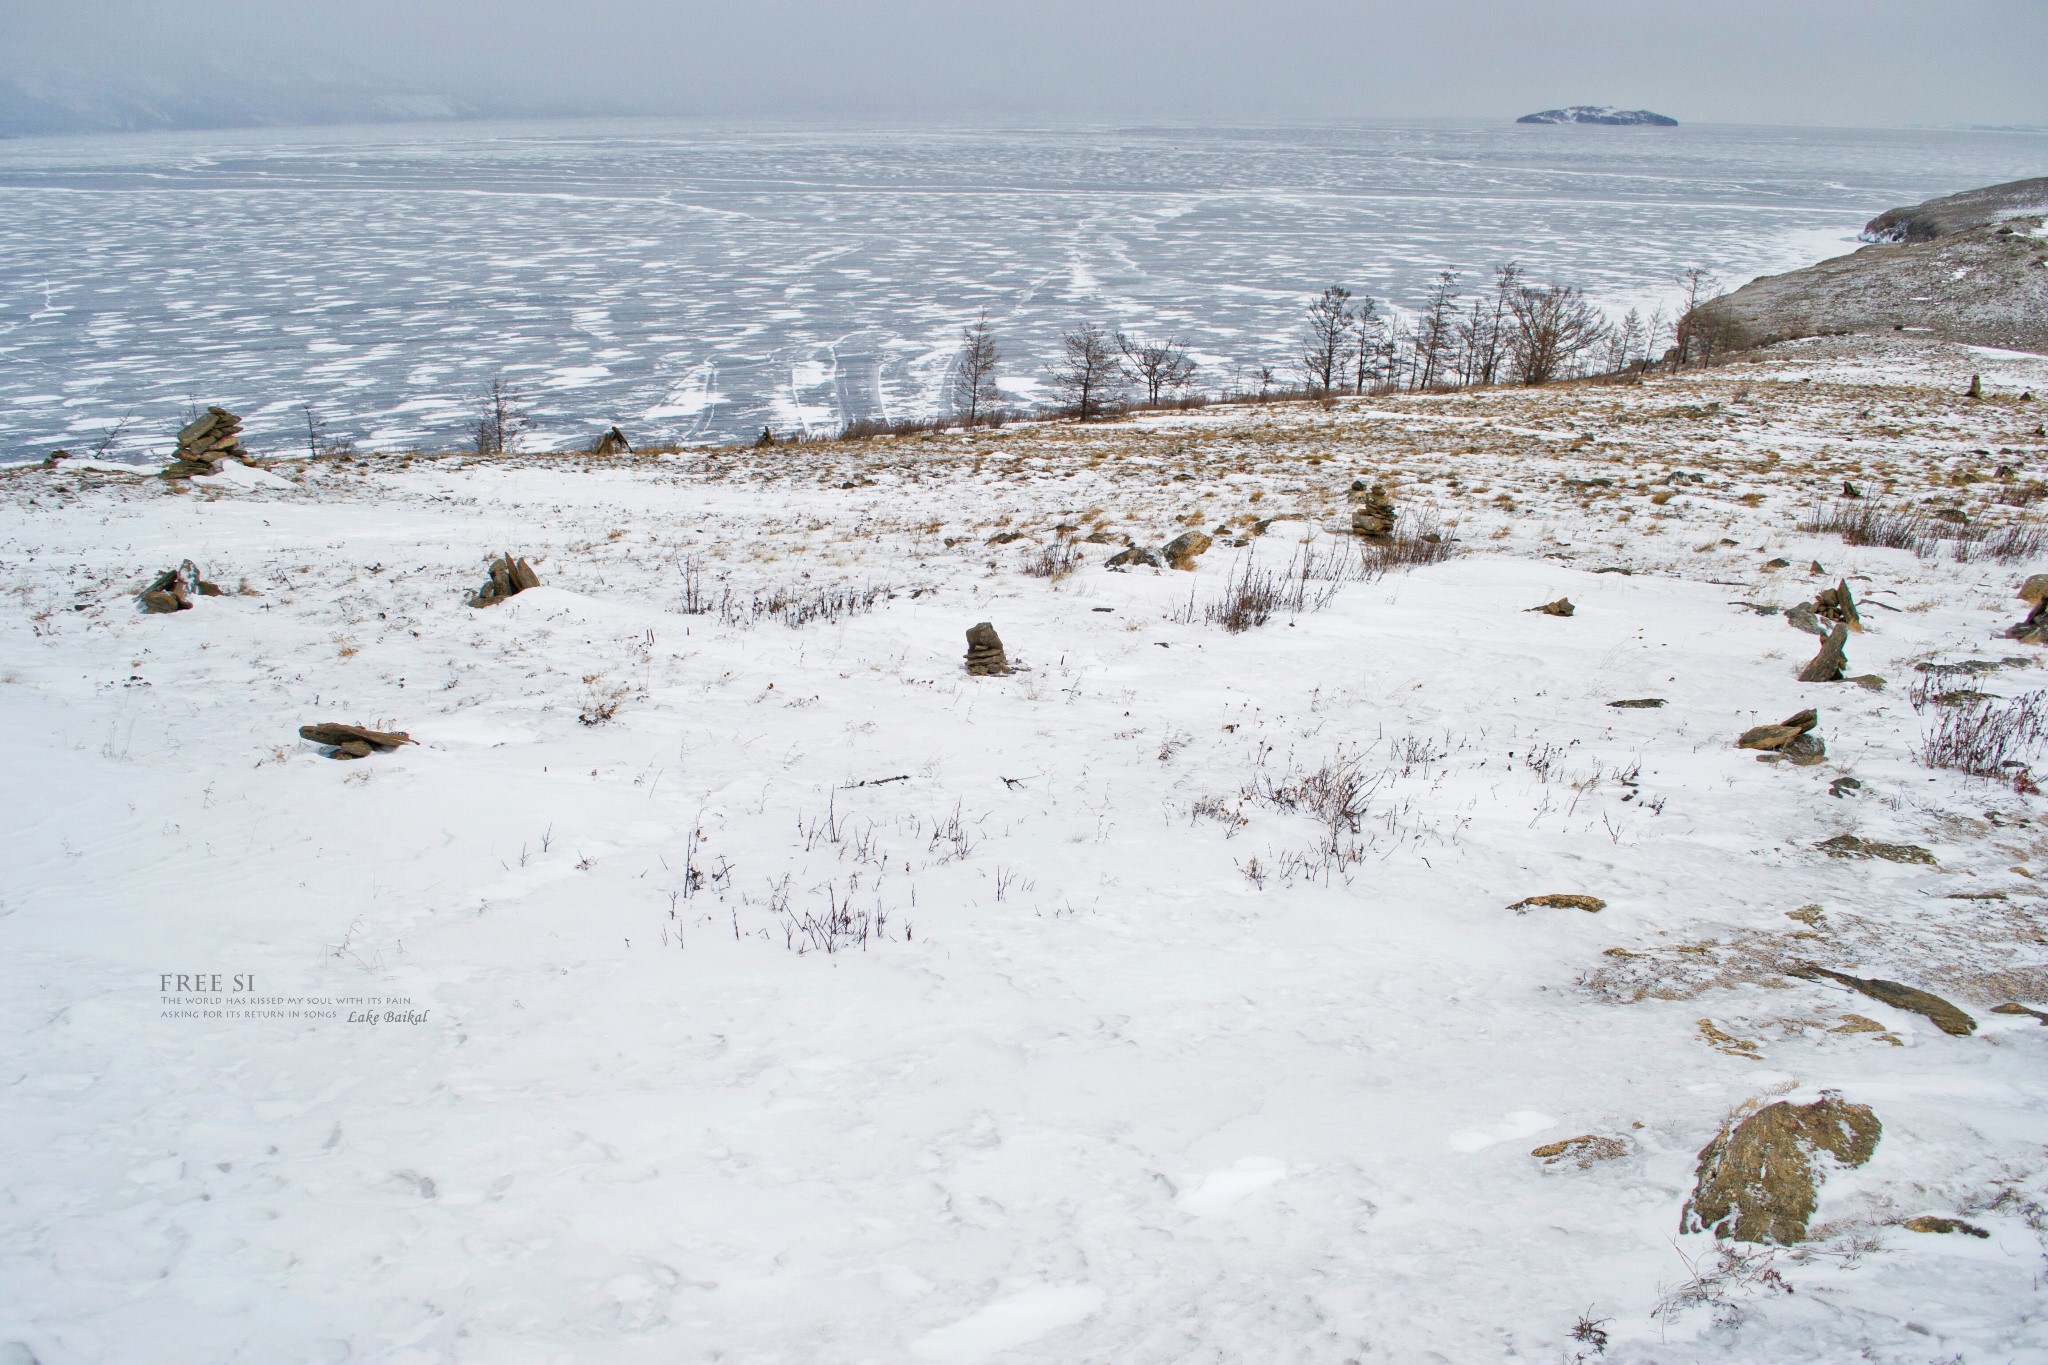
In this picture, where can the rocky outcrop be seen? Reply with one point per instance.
(1758, 1179)
(1604, 114)
(1953, 214)
(1970, 268)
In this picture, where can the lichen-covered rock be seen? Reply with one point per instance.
(1776, 737)
(1184, 549)
(1850, 846)
(1582, 1151)
(353, 741)
(1592, 905)
(1898, 995)
(1758, 1179)
(1133, 557)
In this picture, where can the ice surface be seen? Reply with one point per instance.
(695, 283)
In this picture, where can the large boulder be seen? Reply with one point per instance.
(1758, 1179)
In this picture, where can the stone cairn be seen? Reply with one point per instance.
(353, 741)
(176, 589)
(509, 576)
(1836, 605)
(203, 444)
(985, 655)
(1372, 512)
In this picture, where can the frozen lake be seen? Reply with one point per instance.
(694, 282)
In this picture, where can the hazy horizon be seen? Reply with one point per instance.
(109, 64)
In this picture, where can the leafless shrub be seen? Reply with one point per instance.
(1336, 795)
(1718, 1276)
(500, 419)
(600, 702)
(791, 605)
(1418, 540)
(2009, 544)
(1892, 527)
(1866, 522)
(840, 925)
(1053, 561)
(1252, 596)
(1988, 737)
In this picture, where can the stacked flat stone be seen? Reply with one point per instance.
(1372, 513)
(176, 589)
(203, 444)
(508, 577)
(985, 655)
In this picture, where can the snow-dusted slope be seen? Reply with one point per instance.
(1136, 1064)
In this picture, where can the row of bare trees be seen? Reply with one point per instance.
(1512, 331)
(1097, 370)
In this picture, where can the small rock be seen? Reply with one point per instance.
(1849, 846)
(1756, 1180)
(1930, 1222)
(1184, 549)
(1581, 1151)
(1561, 607)
(1133, 557)
(1773, 565)
(1844, 786)
(1869, 682)
(1638, 704)
(1565, 901)
(1805, 750)
(985, 657)
(1005, 537)
(1804, 618)
(2020, 1009)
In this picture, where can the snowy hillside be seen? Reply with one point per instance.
(724, 974)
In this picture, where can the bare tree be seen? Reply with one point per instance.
(1550, 332)
(1326, 339)
(972, 384)
(501, 420)
(1156, 366)
(1088, 376)
(1435, 334)
(1694, 340)
(1368, 356)
(1624, 341)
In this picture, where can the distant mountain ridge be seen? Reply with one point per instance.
(1602, 114)
(57, 103)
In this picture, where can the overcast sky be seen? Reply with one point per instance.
(1843, 62)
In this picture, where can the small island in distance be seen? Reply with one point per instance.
(1601, 113)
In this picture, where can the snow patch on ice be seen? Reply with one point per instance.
(1009, 1322)
(1220, 1191)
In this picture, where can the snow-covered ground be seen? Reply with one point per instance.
(1135, 1064)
